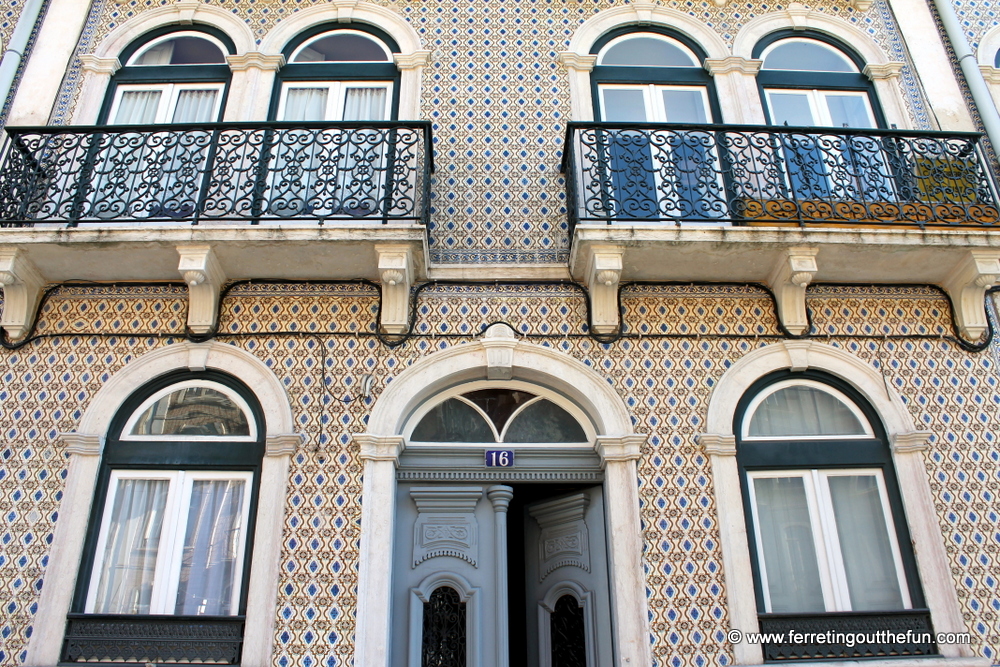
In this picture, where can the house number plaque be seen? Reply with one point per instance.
(499, 458)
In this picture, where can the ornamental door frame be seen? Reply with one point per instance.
(498, 355)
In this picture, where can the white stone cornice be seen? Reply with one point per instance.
(715, 444)
(717, 66)
(619, 448)
(98, 65)
(380, 447)
(978, 271)
(575, 61)
(81, 444)
(889, 70)
(413, 60)
(499, 343)
(256, 60)
(22, 289)
(912, 441)
(282, 444)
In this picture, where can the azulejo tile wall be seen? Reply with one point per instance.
(977, 17)
(318, 341)
(499, 104)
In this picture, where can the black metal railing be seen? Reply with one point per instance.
(221, 172)
(847, 635)
(115, 638)
(746, 175)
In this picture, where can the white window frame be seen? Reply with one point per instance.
(751, 410)
(304, 45)
(132, 62)
(169, 93)
(337, 96)
(833, 577)
(172, 534)
(653, 99)
(819, 107)
(127, 434)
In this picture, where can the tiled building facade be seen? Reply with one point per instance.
(667, 323)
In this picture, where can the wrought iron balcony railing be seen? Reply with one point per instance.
(222, 172)
(747, 175)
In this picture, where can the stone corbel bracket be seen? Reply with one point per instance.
(187, 9)
(967, 286)
(22, 289)
(604, 270)
(788, 281)
(395, 269)
(204, 276)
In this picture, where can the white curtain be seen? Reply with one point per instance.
(364, 104)
(128, 563)
(803, 411)
(211, 543)
(195, 106)
(306, 104)
(161, 54)
(786, 537)
(865, 543)
(137, 107)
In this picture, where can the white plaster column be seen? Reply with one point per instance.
(411, 67)
(736, 568)
(886, 78)
(928, 544)
(265, 570)
(628, 580)
(251, 86)
(49, 623)
(97, 73)
(378, 513)
(578, 70)
(736, 88)
(500, 497)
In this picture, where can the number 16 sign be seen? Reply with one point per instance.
(499, 458)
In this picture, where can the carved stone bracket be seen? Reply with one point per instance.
(574, 61)
(379, 447)
(499, 343)
(889, 70)
(564, 540)
(788, 280)
(604, 270)
(22, 288)
(967, 286)
(715, 444)
(98, 65)
(914, 441)
(414, 60)
(624, 448)
(446, 523)
(395, 268)
(256, 60)
(187, 9)
(282, 444)
(81, 444)
(204, 277)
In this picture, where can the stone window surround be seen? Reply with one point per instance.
(735, 69)
(254, 68)
(84, 447)
(499, 356)
(908, 446)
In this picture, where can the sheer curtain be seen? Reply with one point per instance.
(138, 107)
(864, 543)
(128, 564)
(306, 104)
(195, 106)
(161, 54)
(364, 104)
(211, 543)
(789, 552)
(803, 411)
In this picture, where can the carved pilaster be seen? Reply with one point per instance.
(204, 277)
(499, 343)
(395, 268)
(967, 286)
(22, 288)
(788, 280)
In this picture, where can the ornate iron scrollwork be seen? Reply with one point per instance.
(444, 636)
(569, 639)
(153, 639)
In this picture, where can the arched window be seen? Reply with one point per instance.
(824, 516)
(338, 74)
(170, 76)
(171, 528)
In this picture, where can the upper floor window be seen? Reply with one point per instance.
(170, 77)
(809, 82)
(339, 75)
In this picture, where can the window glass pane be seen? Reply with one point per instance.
(544, 421)
(453, 421)
(786, 538)
(137, 107)
(305, 104)
(341, 47)
(131, 548)
(865, 543)
(498, 404)
(364, 104)
(803, 411)
(848, 111)
(807, 56)
(685, 106)
(647, 52)
(791, 109)
(182, 51)
(200, 411)
(195, 106)
(211, 548)
(623, 105)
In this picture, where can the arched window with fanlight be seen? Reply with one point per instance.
(168, 551)
(828, 537)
